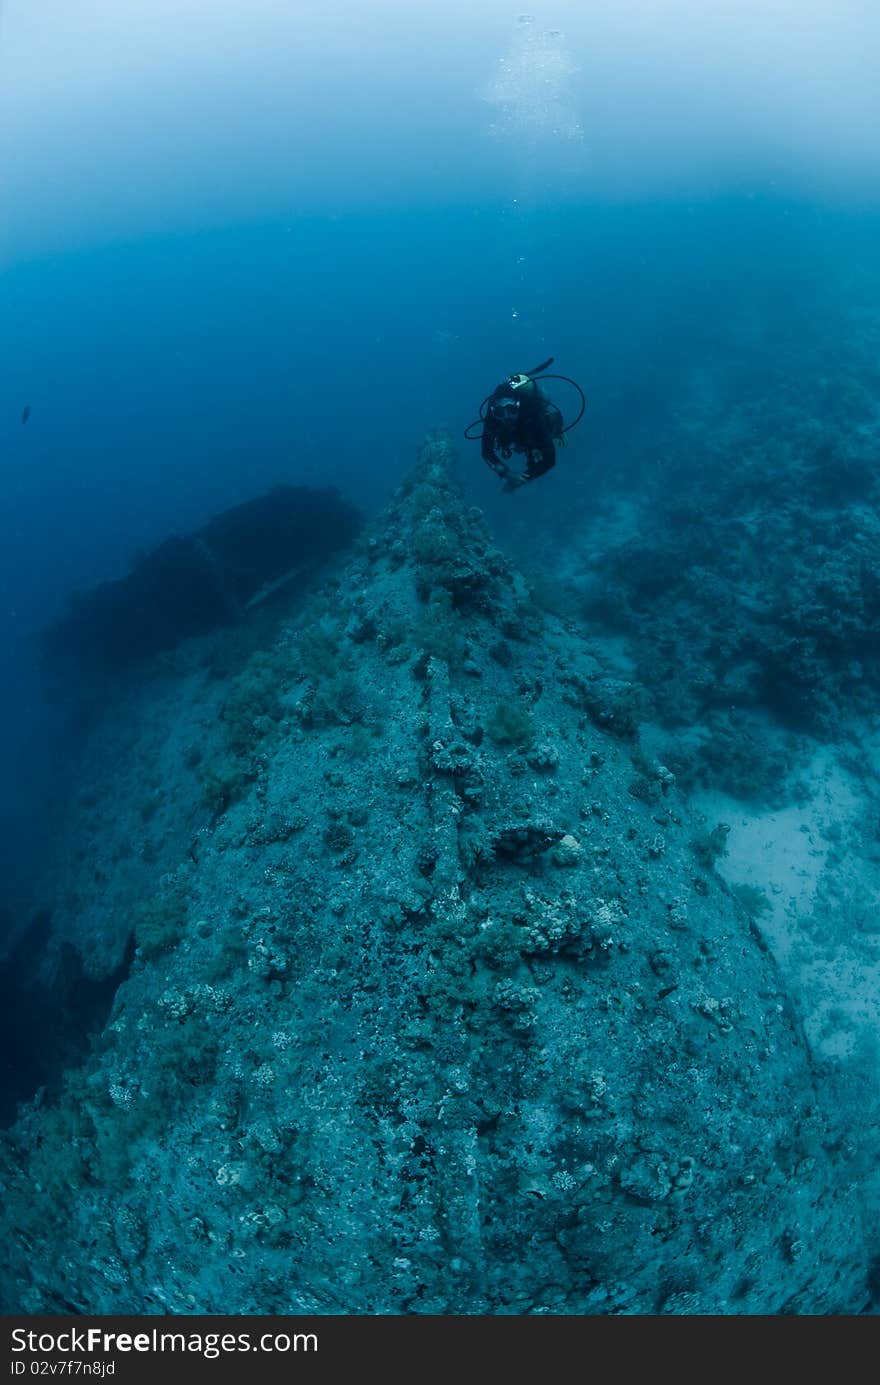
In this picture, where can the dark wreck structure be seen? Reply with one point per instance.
(192, 583)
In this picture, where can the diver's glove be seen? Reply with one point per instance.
(513, 483)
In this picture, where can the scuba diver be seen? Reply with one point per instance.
(518, 417)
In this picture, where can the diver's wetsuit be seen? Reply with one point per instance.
(537, 425)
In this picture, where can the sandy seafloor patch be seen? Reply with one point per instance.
(818, 863)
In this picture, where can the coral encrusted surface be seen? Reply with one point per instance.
(437, 1003)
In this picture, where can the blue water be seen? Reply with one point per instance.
(243, 248)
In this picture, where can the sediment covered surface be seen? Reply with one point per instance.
(438, 1004)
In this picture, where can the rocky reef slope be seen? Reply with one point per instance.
(437, 1004)
(748, 584)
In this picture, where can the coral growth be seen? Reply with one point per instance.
(436, 1011)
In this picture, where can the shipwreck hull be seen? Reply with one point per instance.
(190, 584)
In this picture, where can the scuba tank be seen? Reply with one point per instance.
(526, 382)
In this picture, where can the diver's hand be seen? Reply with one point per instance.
(513, 483)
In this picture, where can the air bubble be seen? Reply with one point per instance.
(534, 89)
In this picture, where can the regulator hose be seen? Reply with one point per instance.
(535, 374)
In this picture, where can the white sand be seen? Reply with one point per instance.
(824, 894)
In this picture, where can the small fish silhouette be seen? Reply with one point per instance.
(25, 413)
